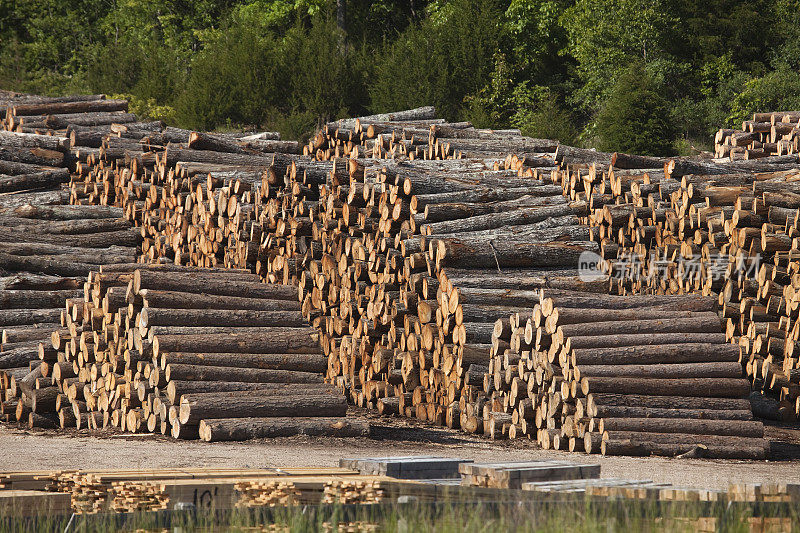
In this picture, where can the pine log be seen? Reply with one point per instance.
(297, 362)
(238, 429)
(502, 254)
(197, 282)
(656, 340)
(693, 426)
(24, 299)
(696, 387)
(177, 388)
(29, 140)
(37, 179)
(700, 323)
(24, 317)
(699, 353)
(664, 370)
(193, 410)
(150, 316)
(621, 411)
(95, 118)
(185, 300)
(712, 451)
(32, 156)
(228, 373)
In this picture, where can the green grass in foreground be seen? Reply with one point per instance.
(577, 515)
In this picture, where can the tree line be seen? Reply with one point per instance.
(646, 76)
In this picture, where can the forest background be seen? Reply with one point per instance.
(644, 76)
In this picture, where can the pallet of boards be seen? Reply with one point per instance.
(408, 467)
(632, 375)
(711, 228)
(514, 475)
(20, 503)
(190, 352)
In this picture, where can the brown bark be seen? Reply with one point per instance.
(177, 388)
(711, 451)
(701, 354)
(150, 316)
(187, 372)
(238, 429)
(736, 428)
(185, 300)
(298, 362)
(201, 283)
(193, 410)
(696, 387)
(49, 108)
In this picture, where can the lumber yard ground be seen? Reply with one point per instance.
(71, 449)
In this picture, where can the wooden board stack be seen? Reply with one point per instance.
(514, 475)
(713, 228)
(632, 375)
(767, 134)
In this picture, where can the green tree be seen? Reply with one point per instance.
(635, 116)
(605, 36)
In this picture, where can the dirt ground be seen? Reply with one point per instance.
(52, 450)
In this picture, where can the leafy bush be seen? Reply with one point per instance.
(777, 91)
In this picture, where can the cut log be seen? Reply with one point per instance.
(193, 410)
(296, 362)
(237, 429)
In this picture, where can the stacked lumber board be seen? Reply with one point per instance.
(624, 375)
(190, 352)
(713, 228)
(514, 475)
(767, 134)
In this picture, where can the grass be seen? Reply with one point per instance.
(571, 515)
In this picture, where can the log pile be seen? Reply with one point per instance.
(767, 134)
(402, 273)
(47, 250)
(417, 134)
(190, 352)
(712, 228)
(622, 375)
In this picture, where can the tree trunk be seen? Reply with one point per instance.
(177, 388)
(697, 387)
(24, 317)
(652, 340)
(188, 372)
(201, 283)
(238, 429)
(297, 362)
(185, 300)
(193, 410)
(710, 451)
(149, 317)
(701, 354)
(618, 411)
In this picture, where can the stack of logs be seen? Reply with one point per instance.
(621, 375)
(776, 133)
(47, 250)
(713, 228)
(190, 352)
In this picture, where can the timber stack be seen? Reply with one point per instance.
(622, 375)
(187, 351)
(767, 134)
(712, 227)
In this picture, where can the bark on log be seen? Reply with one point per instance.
(700, 323)
(736, 428)
(37, 179)
(655, 340)
(697, 387)
(35, 299)
(50, 108)
(664, 370)
(30, 140)
(150, 316)
(201, 283)
(177, 388)
(699, 353)
(273, 340)
(238, 429)
(227, 373)
(297, 362)
(643, 448)
(193, 410)
(24, 317)
(622, 411)
(185, 300)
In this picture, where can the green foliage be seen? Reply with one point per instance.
(549, 67)
(777, 91)
(441, 61)
(635, 117)
(540, 114)
(607, 35)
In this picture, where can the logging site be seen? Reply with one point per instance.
(400, 309)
